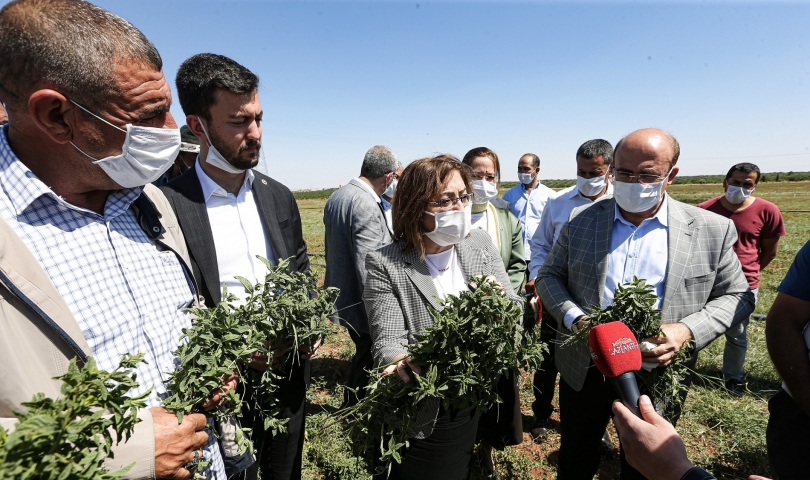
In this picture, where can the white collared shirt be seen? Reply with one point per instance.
(555, 214)
(640, 251)
(238, 233)
(528, 208)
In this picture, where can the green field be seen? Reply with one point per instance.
(723, 434)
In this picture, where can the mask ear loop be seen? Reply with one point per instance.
(93, 114)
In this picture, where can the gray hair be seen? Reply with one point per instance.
(69, 45)
(596, 148)
(379, 160)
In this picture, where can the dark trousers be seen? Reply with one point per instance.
(788, 437)
(502, 424)
(444, 455)
(362, 361)
(584, 415)
(545, 379)
(279, 457)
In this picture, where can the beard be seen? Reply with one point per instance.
(237, 156)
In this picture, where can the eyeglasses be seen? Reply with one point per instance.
(448, 203)
(625, 177)
(488, 178)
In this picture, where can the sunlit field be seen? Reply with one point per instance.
(723, 434)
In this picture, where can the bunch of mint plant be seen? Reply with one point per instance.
(633, 304)
(69, 437)
(287, 314)
(285, 311)
(475, 339)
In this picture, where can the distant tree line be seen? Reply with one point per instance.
(565, 183)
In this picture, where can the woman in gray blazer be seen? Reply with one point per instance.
(433, 256)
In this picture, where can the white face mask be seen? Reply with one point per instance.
(392, 188)
(147, 153)
(638, 197)
(590, 186)
(525, 178)
(451, 227)
(484, 191)
(214, 158)
(737, 195)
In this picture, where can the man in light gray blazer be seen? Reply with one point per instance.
(355, 225)
(684, 252)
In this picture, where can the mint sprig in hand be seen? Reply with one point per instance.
(68, 438)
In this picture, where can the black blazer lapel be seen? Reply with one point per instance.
(268, 211)
(193, 216)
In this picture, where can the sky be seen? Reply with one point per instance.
(730, 80)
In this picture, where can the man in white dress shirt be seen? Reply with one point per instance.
(594, 158)
(232, 213)
(527, 200)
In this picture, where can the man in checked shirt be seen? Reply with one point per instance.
(92, 261)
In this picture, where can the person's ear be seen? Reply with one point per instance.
(54, 114)
(725, 184)
(672, 174)
(195, 125)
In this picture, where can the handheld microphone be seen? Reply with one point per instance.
(615, 352)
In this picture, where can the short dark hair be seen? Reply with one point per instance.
(744, 167)
(421, 182)
(596, 148)
(535, 159)
(483, 152)
(201, 75)
(69, 45)
(378, 161)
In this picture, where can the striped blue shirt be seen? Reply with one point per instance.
(126, 293)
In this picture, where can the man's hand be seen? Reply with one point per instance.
(529, 287)
(306, 353)
(258, 361)
(399, 367)
(228, 384)
(651, 446)
(677, 334)
(175, 444)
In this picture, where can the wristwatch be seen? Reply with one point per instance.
(575, 326)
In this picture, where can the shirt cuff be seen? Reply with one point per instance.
(571, 315)
(533, 272)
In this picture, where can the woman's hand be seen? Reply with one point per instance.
(399, 367)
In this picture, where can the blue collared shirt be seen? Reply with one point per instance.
(528, 208)
(126, 294)
(640, 251)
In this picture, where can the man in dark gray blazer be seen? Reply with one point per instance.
(355, 225)
(230, 213)
(684, 252)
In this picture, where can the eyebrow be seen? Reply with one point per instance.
(152, 112)
(246, 115)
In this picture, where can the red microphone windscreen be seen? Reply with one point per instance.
(614, 349)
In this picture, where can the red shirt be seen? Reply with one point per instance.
(761, 219)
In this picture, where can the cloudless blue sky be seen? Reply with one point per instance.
(730, 80)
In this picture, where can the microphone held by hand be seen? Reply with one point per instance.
(614, 350)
